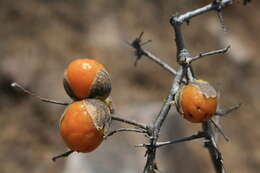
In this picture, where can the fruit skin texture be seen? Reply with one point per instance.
(83, 123)
(197, 101)
(86, 78)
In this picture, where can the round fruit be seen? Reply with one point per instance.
(83, 123)
(197, 101)
(87, 78)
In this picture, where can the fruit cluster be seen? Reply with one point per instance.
(84, 121)
(87, 82)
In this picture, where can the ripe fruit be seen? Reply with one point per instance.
(83, 123)
(87, 78)
(197, 101)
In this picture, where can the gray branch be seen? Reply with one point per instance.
(223, 112)
(131, 122)
(215, 5)
(211, 144)
(214, 52)
(46, 100)
(189, 138)
(124, 130)
(139, 52)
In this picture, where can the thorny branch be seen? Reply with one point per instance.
(131, 122)
(222, 112)
(211, 144)
(156, 126)
(113, 117)
(16, 85)
(189, 138)
(66, 154)
(214, 52)
(184, 73)
(183, 57)
(124, 130)
(175, 141)
(139, 52)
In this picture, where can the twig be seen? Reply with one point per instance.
(182, 56)
(166, 106)
(214, 52)
(16, 85)
(175, 141)
(184, 59)
(190, 74)
(222, 112)
(221, 20)
(220, 130)
(211, 144)
(151, 150)
(189, 138)
(210, 7)
(139, 51)
(66, 154)
(124, 130)
(132, 122)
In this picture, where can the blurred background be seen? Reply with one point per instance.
(40, 37)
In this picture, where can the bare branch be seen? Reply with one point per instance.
(151, 151)
(166, 106)
(189, 138)
(139, 51)
(220, 130)
(214, 52)
(149, 166)
(185, 139)
(221, 20)
(182, 56)
(16, 85)
(211, 144)
(159, 61)
(131, 122)
(124, 130)
(222, 112)
(210, 7)
(66, 154)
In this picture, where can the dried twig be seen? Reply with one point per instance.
(219, 129)
(211, 144)
(124, 130)
(16, 85)
(139, 52)
(131, 122)
(66, 154)
(183, 59)
(214, 52)
(222, 112)
(189, 138)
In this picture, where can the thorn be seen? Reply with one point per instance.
(146, 42)
(220, 130)
(16, 85)
(141, 35)
(66, 154)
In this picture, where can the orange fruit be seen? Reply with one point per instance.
(197, 101)
(87, 78)
(83, 123)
